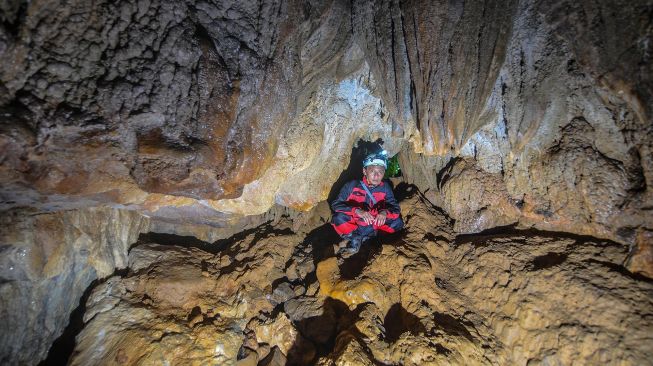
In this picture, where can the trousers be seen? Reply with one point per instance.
(351, 227)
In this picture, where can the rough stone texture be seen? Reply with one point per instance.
(195, 114)
(47, 262)
(185, 306)
(206, 109)
(50, 259)
(424, 297)
(158, 105)
(561, 141)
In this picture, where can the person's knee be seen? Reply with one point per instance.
(366, 230)
(396, 224)
(340, 218)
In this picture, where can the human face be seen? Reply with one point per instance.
(374, 174)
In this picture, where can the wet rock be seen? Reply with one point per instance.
(299, 268)
(277, 332)
(195, 115)
(422, 297)
(181, 305)
(282, 293)
(47, 262)
(641, 257)
(303, 308)
(250, 358)
(549, 147)
(186, 111)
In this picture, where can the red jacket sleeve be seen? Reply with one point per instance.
(341, 203)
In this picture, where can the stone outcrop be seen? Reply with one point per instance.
(561, 140)
(423, 297)
(185, 305)
(48, 261)
(213, 109)
(160, 106)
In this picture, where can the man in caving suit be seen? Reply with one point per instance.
(365, 206)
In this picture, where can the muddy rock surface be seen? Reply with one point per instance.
(424, 296)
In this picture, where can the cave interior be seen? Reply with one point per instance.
(167, 170)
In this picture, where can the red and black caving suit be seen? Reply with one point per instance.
(352, 196)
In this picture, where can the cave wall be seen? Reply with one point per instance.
(189, 116)
(561, 140)
(222, 108)
(153, 105)
(48, 261)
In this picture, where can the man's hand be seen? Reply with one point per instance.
(366, 216)
(371, 220)
(380, 218)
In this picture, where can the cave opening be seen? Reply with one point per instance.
(359, 151)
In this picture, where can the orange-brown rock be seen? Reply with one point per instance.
(423, 297)
(197, 121)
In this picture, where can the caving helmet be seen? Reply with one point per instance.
(380, 158)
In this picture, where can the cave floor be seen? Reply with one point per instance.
(270, 296)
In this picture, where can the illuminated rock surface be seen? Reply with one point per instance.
(192, 124)
(423, 298)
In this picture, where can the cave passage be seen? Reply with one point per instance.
(167, 170)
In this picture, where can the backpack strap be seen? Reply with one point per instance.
(369, 193)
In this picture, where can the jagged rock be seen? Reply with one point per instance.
(207, 119)
(300, 267)
(282, 335)
(424, 297)
(551, 144)
(275, 358)
(195, 108)
(278, 332)
(250, 359)
(182, 106)
(640, 259)
(47, 261)
(282, 293)
(303, 307)
(495, 299)
(181, 305)
(348, 351)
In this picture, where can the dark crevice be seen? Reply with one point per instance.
(480, 238)
(443, 175)
(62, 348)
(323, 330)
(218, 246)
(398, 321)
(548, 260)
(453, 326)
(614, 267)
(12, 24)
(172, 239)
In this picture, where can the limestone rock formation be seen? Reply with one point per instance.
(222, 126)
(48, 261)
(552, 144)
(214, 108)
(423, 297)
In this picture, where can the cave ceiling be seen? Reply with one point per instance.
(204, 111)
